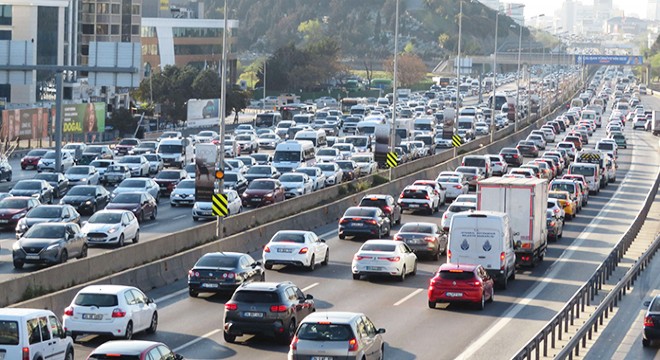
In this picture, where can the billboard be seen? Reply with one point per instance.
(83, 118)
(382, 144)
(206, 156)
(24, 124)
(608, 60)
(203, 112)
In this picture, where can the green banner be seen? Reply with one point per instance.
(83, 118)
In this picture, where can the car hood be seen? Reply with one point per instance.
(104, 228)
(77, 176)
(122, 206)
(16, 192)
(132, 165)
(257, 176)
(166, 181)
(34, 220)
(128, 189)
(292, 184)
(31, 158)
(11, 212)
(258, 192)
(187, 192)
(76, 198)
(37, 242)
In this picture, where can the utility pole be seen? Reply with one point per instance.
(263, 102)
(223, 109)
(515, 122)
(492, 117)
(395, 87)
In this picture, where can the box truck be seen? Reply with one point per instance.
(655, 123)
(526, 202)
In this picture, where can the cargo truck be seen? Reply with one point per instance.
(655, 123)
(525, 201)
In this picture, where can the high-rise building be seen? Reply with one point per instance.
(515, 11)
(603, 9)
(653, 10)
(493, 4)
(568, 10)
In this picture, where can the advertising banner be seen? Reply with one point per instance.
(206, 156)
(608, 60)
(202, 112)
(83, 118)
(24, 124)
(382, 144)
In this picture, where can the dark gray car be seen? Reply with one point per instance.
(49, 243)
(47, 214)
(58, 181)
(423, 238)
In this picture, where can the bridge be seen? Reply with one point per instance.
(506, 59)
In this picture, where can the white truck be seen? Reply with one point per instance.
(526, 202)
(655, 123)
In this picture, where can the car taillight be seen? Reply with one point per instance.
(401, 196)
(445, 216)
(448, 255)
(648, 321)
(228, 275)
(475, 283)
(398, 237)
(118, 313)
(390, 258)
(552, 223)
(359, 257)
(266, 249)
(303, 251)
(387, 209)
(294, 343)
(458, 187)
(372, 222)
(343, 221)
(427, 197)
(193, 273)
(278, 308)
(68, 311)
(26, 353)
(353, 344)
(231, 307)
(429, 239)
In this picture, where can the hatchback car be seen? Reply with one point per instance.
(49, 243)
(297, 248)
(133, 349)
(111, 310)
(32, 158)
(423, 238)
(47, 162)
(39, 189)
(332, 172)
(651, 322)
(386, 203)
(384, 258)
(111, 227)
(263, 192)
(223, 271)
(364, 221)
(296, 184)
(419, 197)
(141, 204)
(47, 214)
(461, 283)
(126, 145)
(183, 193)
(82, 175)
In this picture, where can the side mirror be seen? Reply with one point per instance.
(380, 331)
(178, 357)
(647, 303)
(322, 240)
(309, 297)
(84, 223)
(150, 301)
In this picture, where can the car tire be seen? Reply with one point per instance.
(83, 252)
(136, 239)
(504, 283)
(141, 217)
(414, 272)
(492, 295)
(154, 214)
(18, 264)
(64, 257)
(195, 218)
(120, 242)
(289, 333)
(172, 204)
(436, 255)
(398, 221)
(432, 304)
(646, 342)
(268, 266)
(128, 334)
(230, 339)
(482, 304)
(192, 293)
(342, 236)
(402, 277)
(356, 276)
(326, 259)
(312, 264)
(154, 324)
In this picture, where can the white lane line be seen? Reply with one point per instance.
(325, 235)
(305, 289)
(195, 341)
(408, 297)
(174, 294)
(179, 217)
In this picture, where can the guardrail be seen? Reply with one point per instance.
(559, 324)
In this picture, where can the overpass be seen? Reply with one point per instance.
(506, 59)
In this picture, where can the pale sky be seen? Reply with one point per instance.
(535, 7)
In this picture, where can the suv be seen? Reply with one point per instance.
(33, 334)
(414, 197)
(385, 203)
(480, 161)
(330, 334)
(266, 308)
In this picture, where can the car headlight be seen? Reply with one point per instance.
(196, 206)
(16, 246)
(88, 202)
(113, 230)
(83, 179)
(53, 247)
(19, 215)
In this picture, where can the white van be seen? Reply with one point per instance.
(591, 173)
(176, 152)
(425, 124)
(33, 334)
(293, 154)
(317, 137)
(483, 238)
(367, 128)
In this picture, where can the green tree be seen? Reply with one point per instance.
(206, 85)
(311, 30)
(237, 101)
(123, 121)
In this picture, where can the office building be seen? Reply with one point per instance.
(515, 12)
(653, 10)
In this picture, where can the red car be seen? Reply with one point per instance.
(14, 208)
(262, 192)
(461, 283)
(126, 145)
(32, 158)
(167, 180)
(142, 205)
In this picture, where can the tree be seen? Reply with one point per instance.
(122, 120)
(237, 101)
(411, 69)
(206, 85)
(311, 30)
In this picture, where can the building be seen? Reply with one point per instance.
(603, 10)
(515, 12)
(653, 10)
(493, 4)
(567, 16)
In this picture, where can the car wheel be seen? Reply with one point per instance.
(290, 332)
(436, 255)
(229, 338)
(268, 266)
(312, 264)
(120, 242)
(504, 283)
(492, 295)
(136, 239)
(432, 304)
(154, 214)
(172, 204)
(18, 264)
(414, 272)
(389, 230)
(141, 217)
(403, 274)
(193, 293)
(64, 257)
(128, 335)
(94, 209)
(83, 252)
(482, 304)
(69, 355)
(154, 324)
(646, 342)
(356, 276)
(195, 218)
(342, 236)
(398, 221)
(561, 233)
(326, 260)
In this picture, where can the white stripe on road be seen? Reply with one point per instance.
(325, 235)
(309, 287)
(408, 297)
(179, 217)
(174, 294)
(195, 341)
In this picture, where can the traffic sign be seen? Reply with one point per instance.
(456, 140)
(220, 205)
(219, 174)
(392, 159)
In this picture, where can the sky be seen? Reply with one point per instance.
(548, 7)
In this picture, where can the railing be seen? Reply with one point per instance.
(558, 326)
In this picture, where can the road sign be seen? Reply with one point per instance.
(608, 60)
(456, 140)
(392, 159)
(220, 205)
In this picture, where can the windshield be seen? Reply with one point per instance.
(28, 185)
(77, 171)
(9, 203)
(94, 150)
(231, 177)
(561, 196)
(329, 152)
(267, 137)
(243, 137)
(291, 178)
(49, 155)
(417, 228)
(309, 172)
(47, 177)
(82, 191)
(290, 237)
(447, 179)
(45, 232)
(326, 167)
(37, 152)
(99, 163)
(168, 175)
(261, 170)
(151, 157)
(583, 170)
(460, 208)
(105, 218)
(606, 146)
(169, 149)
(186, 184)
(342, 147)
(291, 156)
(360, 211)
(132, 184)
(129, 142)
(378, 247)
(357, 141)
(364, 159)
(130, 160)
(45, 212)
(147, 145)
(345, 165)
(563, 187)
(127, 199)
(256, 297)
(465, 125)
(261, 185)
(218, 261)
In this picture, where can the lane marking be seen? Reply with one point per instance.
(195, 341)
(408, 297)
(172, 295)
(179, 217)
(328, 233)
(305, 289)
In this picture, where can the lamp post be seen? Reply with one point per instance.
(492, 98)
(394, 79)
(263, 102)
(515, 122)
(458, 57)
(223, 108)
(529, 71)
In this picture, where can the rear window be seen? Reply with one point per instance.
(360, 212)
(113, 356)
(655, 307)
(288, 237)
(606, 146)
(456, 275)
(8, 332)
(378, 247)
(417, 228)
(98, 300)
(218, 261)
(459, 208)
(255, 297)
(414, 194)
(373, 203)
(583, 170)
(325, 332)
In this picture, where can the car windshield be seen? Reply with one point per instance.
(606, 146)
(218, 261)
(127, 199)
(98, 300)
(9, 203)
(287, 156)
(132, 184)
(28, 185)
(186, 184)
(49, 155)
(560, 196)
(151, 157)
(262, 185)
(129, 142)
(147, 145)
(291, 178)
(289, 237)
(309, 172)
(99, 164)
(260, 157)
(324, 332)
(94, 150)
(267, 136)
(231, 177)
(467, 170)
(345, 165)
(583, 170)
(448, 179)
(48, 177)
(373, 202)
(260, 170)
(361, 159)
(105, 218)
(563, 187)
(378, 247)
(130, 160)
(415, 194)
(168, 175)
(359, 142)
(326, 167)
(460, 208)
(206, 133)
(78, 171)
(169, 149)
(256, 297)
(82, 191)
(51, 212)
(342, 147)
(116, 168)
(45, 232)
(37, 152)
(417, 228)
(326, 152)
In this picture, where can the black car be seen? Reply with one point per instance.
(47, 214)
(87, 198)
(167, 180)
(223, 271)
(652, 322)
(262, 172)
(95, 152)
(58, 181)
(527, 148)
(235, 181)
(386, 203)
(266, 308)
(39, 189)
(512, 156)
(50, 243)
(370, 222)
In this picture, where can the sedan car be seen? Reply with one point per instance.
(183, 193)
(101, 166)
(499, 164)
(49, 243)
(31, 159)
(95, 152)
(473, 175)
(384, 257)
(555, 225)
(47, 162)
(203, 210)
(145, 147)
(465, 283)
(38, 189)
(332, 172)
(111, 227)
(263, 192)
(454, 208)
(156, 163)
(385, 203)
(364, 222)
(47, 214)
(115, 174)
(651, 322)
(296, 248)
(57, 180)
(133, 349)
(296, 184)
(223, 272)
(328, 155)
(87, 198)
(315, 174)
(263, 159)
(14, 208)
(138, 164)
(366, 164)
(423, 238)
(268, 141)
(527, 148)
(167, 180)
(142, 204)
(262, 172)
(144, 185)
(82, 175)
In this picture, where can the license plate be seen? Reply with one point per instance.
(252, 314)
(454, 294)
(414, 241)
(313, 358)
(357, 224)
(92, 317)
(32, 257)
(163, 187)
(374, 268)
(255, 200)
(3, 221)
(284, 250)
(413, 205)
(209, 286)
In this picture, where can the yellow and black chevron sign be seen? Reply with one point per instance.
(456, 140)
(220, 205)
(392, 159)
(589, 156)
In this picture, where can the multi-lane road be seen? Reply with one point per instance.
(193, 327)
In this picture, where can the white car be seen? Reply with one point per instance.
(384, 257)
(296, 184)
(419, 197)
(47, 162)
(231, 148)
(111, 227)
(82, 175)
(101, 166)
(183, 193)
(316, 174)
(347, 150)
(205, 136)
(455, 208)
(549, 133)
(235, 165)
(481, 128)
(156, 163)
(328, 155)
(539, 140)
(203, 210)
(114, 310)
(247, 142)
(138, 164)
(244, 129)
(297, 248)
(366, 164)
(333, 173)
(498, 165)
(268, 141)
(248, 161)
(455, 185)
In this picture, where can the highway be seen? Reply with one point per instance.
(193, 327)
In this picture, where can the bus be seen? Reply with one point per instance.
(267, 120)
(348, 103)
(289, 110)
(293, 154)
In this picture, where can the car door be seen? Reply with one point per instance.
(372, 341)
(102, 196)
(37, 338)
(305, 306)
(409, 255)
(77, 240)
(142, 309)
(317, 245)
(58, 343)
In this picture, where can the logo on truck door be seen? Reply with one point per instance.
(487, 246)
(465, 245)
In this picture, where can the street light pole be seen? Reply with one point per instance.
(223, 109)
(492, 116)
(263, 102)
(458, 57)
(394, 79)
(515, 123)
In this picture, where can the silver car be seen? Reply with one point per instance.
(183, 193)
(156, 163)
(337, 335)
(138, 164)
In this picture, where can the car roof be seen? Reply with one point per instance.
(332, 316)
(20, 312)
(378, 196)
(125, 347)
(382, 242)
(267, 286)
(105, 289)
(224, 253)
(453, 266)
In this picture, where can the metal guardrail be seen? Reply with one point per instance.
(559, 324)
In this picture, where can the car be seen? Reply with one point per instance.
(384, 258)
(170, 135)
(47, 214)
(167, 180)
(332, 172)
(620, 140)
(141, 204)
(319, 335)
(262, 158)
(247, 142)
(386, 203)
(14, 208)
(47, 162)
(145, 147)
(572, 187)
(235, 181)
(112, 310)
(124, 146)
(248, 161)
(261, 172)
(527, 148)
(315, 174)
(557, 208)
(268, 141)
(296, 184)
(263, 192)
(419, 198)
(499, 165)
(564, 199)
(33, 334)
(349, 169)
(570, 149)
(328, 154)
(423, 238)
(244, 129)
(365, 164)
(49, 244)
(266, 308)
(75, 150)
(183, 193)
(346, 150)
(82, 175)
(143, 185)
(235, 165)
(223, 271)
(111, 227)
(467, 283)
(95, 152)
(156, 163)
(116, 174)
(39, 189)
(455, 208)
(364, 222)
(454, 184)
(205, 136)
(138, 164)
(481, 128)
(101, 166)
(555, 225)
(473, 175)
(296, 248)
(203, 210)
(57, 180)
(651, 331)
(31, 159)
(133, 349)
